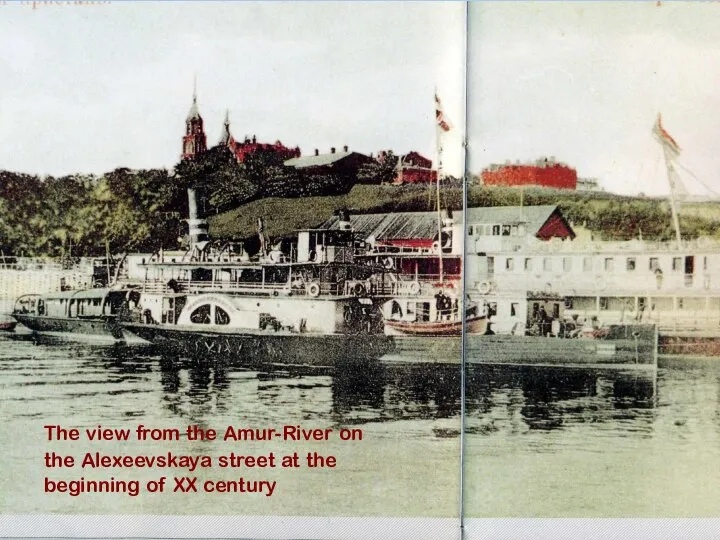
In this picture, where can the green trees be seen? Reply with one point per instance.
(143, 210)
(76, 215)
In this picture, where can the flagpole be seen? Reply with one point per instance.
(438, 144)
(673, 204)
(670, 148)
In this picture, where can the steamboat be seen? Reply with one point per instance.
(310, 304)
(674, 285)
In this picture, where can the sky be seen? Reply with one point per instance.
(88, 88)
(585, 81)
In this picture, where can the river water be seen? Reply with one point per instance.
(539, 442)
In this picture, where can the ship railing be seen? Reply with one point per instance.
(689, 324)
(258, 288)
(396, 250)
(594, 283)
(412, 287)
(402, 287)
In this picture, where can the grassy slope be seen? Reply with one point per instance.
(282, 216)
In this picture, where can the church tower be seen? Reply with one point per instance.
(226, 139)
(194, 141)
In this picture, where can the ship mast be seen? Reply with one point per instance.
(673, 205)
(671, 150)
(438, 142)
(442, 125)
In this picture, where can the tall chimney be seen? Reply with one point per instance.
(344, 220)
(317, 152)
(197, 227)
(332, 150)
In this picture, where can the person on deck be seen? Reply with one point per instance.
(439, 303)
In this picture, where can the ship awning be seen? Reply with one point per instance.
(92, 293)
(64, 295)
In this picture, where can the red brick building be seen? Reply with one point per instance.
(543, 173)
(248, 146)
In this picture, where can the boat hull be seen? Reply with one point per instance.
(475, 325)
(626, 347)
(260, 347)
(91, 326)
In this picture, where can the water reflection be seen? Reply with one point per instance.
(498, 398)
(352, 394)
(522, 398)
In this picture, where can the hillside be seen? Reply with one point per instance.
(610, 216)
(282, 216)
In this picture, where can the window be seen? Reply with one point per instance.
(514, 230)
(567, 264)
(654, 264)
(547, 264)
(509, 264)
(630, 264)
(506, 230)
(221, 316)
(528, 264)
(556, 310)
(604, 303)
(492, 309)
(704, 263)
(201, 315)
(471, 230)
(496, 230)
(514, 309)
(677, 264)
(680, 303)
(609, 264)
(587, 264)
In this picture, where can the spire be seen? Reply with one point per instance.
(194, 141)
(226, 137)
(194, 113)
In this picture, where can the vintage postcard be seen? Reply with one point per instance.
(358, 269)
(227, 237)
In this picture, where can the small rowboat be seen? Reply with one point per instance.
(475, 325)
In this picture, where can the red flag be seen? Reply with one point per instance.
(442, 121)
(664, 137)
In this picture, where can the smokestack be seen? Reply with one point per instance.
(317, 152)
(197, 227)
(345, 148)
(332, 150)
(261, 235)
(344, 220)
